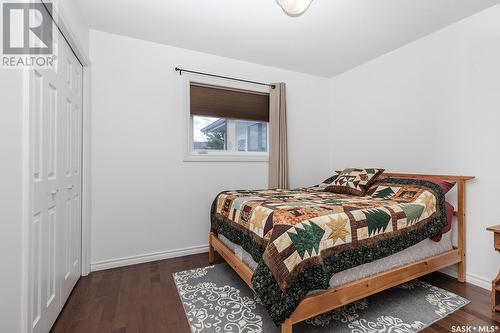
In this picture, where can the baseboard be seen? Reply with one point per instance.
(142, 258)
(470, 278)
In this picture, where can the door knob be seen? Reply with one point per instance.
(69, 187)
(54, 192)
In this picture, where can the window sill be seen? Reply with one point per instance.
(225, 158)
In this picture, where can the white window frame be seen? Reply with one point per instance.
(231, 154)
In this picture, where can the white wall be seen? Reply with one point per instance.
(76, 27)
(432, 106)
(145, 199)
(11, 199)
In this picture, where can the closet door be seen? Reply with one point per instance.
(55, 104)
(71, 175)
(46, 210)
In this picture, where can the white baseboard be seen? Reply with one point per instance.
(470, 278)
(142, 258)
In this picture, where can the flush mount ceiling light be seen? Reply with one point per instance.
(294, 7)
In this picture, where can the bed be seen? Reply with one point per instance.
(308, 251)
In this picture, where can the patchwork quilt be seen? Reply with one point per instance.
(301, 237)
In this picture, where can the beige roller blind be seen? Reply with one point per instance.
(221, 102)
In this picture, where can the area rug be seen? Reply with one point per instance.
(215, 299)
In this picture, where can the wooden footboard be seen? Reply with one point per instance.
(331, 299)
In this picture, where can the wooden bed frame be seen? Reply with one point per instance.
(331, 299)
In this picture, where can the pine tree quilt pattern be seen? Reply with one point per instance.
(301, 237)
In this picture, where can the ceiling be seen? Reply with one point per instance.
(332, 37)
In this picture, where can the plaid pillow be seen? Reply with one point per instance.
(353, 181)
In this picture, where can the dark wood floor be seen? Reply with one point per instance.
(143, 298)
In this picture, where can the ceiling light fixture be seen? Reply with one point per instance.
(294, 7)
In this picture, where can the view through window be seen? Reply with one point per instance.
(210, 133)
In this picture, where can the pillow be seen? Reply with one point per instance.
(327, 182)
(445, 186)
(354, 181)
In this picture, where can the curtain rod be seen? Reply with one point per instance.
(180, 70)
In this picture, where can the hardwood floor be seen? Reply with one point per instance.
(143, 298)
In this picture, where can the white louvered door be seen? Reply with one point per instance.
(55, 110)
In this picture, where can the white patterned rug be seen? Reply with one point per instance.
(215, 299)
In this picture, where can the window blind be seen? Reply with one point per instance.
(221, 102)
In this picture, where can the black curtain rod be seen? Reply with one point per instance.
(180, 70)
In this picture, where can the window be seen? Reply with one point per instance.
(209, 133)
(251, 136)
(226, 123)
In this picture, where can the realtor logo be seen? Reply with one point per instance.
(27, 36)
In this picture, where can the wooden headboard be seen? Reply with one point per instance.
(425, 176)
